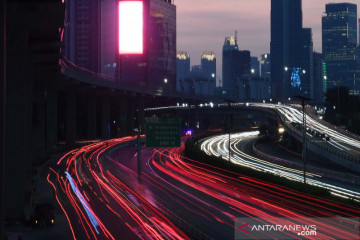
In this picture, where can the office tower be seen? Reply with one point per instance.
(319, 78)
(182, 72)
(265, 66)
(255, 67)
(286, 44)
(82, 33)
(109, 43)
(158, 60)
(230, 63)
(161, 43)
(208, 68)
(307, 74)
(339, 35)
(236, 69)
(208, 65)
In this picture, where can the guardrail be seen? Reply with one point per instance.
(71, 70)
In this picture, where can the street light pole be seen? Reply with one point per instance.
(229, 106)
(304, 138)
(304, 147)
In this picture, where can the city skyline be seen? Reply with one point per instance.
(204, 27)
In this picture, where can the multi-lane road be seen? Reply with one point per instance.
(102, 196)
(219, 146)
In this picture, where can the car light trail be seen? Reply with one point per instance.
(83, 202)
(218, 146)
(100, 178)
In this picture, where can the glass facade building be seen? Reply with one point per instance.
(286, 44)
(339, 34)
(92, 42)
(81, 36)
(307, 77)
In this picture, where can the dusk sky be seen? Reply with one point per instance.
(202, 25)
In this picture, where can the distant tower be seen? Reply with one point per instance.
(307, 77)
(236, 68)
(183, 71)
(255, 67)
(285, 46)
(208, 67)
(265, 67)
(339, 38)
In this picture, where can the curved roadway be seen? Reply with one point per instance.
(175, 198)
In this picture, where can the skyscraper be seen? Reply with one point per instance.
(339, 34)
(229, 65)
(183, 72)
(286, 43)
(208, 65)
(265, 66)
(307, 77)
(82, 38)
(319, 78)
(236, 69)
(255, 67)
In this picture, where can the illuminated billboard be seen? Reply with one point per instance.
(131, 27)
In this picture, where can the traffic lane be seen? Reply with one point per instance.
(218, 146)
(169, 194)
(264, 205)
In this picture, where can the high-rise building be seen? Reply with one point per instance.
(236, 69)
(307, 76)
(286, 44)
(109, 43)
(265, 66)
(82, 33)
(339, 39)
(161, 44)
(319, 78)
(208, 65)
(208, 68)
(182, 72)
(359, 31)
(92, 42)
(255, 67)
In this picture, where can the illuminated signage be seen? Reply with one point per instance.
(131, 27)
(295, 78)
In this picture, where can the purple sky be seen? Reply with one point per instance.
(202, 25)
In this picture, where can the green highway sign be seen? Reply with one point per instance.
(163, 134)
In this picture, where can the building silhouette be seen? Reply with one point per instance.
(339, 35)
(320, 78)
(208, 65)
(208, 68)
(307, 64)
(183, 72)
(255, 67)
(236, 70)
(286, 44)
(82, 33)
(265, 66)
